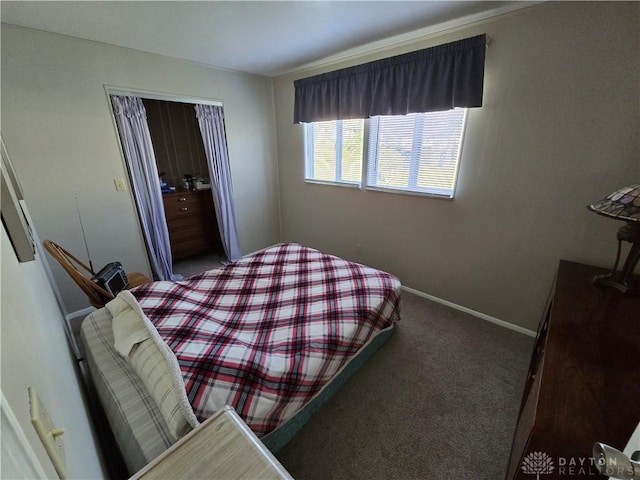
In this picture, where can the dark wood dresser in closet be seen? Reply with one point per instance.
(192, 224)
(583, 384)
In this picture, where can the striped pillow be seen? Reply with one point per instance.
(150, 365)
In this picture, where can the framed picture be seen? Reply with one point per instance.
(13, 218)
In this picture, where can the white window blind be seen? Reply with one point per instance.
(416, 153)
(333, 151)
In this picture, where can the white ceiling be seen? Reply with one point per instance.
(261, 37)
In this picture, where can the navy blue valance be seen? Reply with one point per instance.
(432, 79)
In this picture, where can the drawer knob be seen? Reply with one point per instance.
(184, 209)
(182, 199)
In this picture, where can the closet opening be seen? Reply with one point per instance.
(182, 166)
(175, 151)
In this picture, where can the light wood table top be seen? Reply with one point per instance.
(223, 447)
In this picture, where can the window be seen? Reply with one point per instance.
(416, 153)
(333, 151)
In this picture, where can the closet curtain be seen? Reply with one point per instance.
(211, 121)
(433, 79)
(131, 119)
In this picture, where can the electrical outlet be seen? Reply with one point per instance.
(120, 185)
(50, 436)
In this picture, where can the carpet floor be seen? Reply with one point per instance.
(438, 401)
(190, 266)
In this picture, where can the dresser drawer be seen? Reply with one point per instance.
(191, 223)
(187, 219)
(189, 228)
(189, 247)
(180, 199)
(182, 204)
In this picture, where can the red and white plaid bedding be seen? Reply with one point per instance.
(266, 333)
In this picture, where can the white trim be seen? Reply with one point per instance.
(155, 95)
(86, 311)
(401, 191)
(332, 183)
(80, 313)
(109, 90)
(69, 328)
(483, 316)
(16, 449)
(411, 37)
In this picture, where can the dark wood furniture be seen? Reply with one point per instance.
(192, 224)
(583, 384)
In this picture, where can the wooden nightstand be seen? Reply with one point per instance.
(223, 447)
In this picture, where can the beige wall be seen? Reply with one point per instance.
(558, 130)
(59, 132)
(33, 341)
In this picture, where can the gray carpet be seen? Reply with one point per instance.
(439, 401)
(190, 266)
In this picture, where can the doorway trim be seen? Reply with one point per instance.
(152, 95)
(155, 95)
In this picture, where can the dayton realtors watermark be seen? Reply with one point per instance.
(540, 464)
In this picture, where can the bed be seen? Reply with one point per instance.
(274, 335)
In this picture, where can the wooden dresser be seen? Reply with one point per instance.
(192, 223)
(583, 384)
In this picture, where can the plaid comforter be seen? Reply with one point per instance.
(266, 333)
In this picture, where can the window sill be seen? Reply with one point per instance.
(442, 196)
(333, 184)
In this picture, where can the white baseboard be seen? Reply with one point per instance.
(86, 311)
(80, 313)
(72, 324)
(483, 316)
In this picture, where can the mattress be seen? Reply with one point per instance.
(263, 334)
(345, 310)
